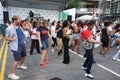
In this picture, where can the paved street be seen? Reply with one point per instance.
(75, 20)
(104, 69)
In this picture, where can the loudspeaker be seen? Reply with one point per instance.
(5, 16)
(3, 3)
(69, 18)
(31, 14)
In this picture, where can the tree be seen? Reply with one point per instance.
(73, 4)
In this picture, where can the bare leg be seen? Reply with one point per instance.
(109, 43)
(46, 55)
(78, 46)
(105, 51)
(43, 56)
(13, 67)
(72, 44)
(22, 61)
(101, 50)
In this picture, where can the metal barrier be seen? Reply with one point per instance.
(3, 58)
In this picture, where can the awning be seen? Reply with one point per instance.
(38, 4)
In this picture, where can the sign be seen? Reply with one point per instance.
(71, 12)
(64, 16)
(37, 15)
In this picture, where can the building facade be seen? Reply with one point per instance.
(105, 6)
(87, 7)
(100, 7)
(105, 10)
(115, 9)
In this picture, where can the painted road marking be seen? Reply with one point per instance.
(109, 70)
(98, 65)
(1, 50)
(0, 36)
(2, 73)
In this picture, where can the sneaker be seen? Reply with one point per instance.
(53, 50)
(114, 59)
(43, 65)
(84, 68)
(117, 59)
(118, 47)
(22, 67)
(89, 76)
(13, 76)
(47, 61)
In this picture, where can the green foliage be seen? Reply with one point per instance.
(73, 4)
(77, 2)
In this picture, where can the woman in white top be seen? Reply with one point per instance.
(54, 34)
(111, 31)
(34, 39)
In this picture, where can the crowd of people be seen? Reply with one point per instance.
(64, 35)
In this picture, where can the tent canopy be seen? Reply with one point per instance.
(39, 4)
(86, 17)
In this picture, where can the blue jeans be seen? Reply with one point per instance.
(89, 61)
(45, 44)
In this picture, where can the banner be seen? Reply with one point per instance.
(71, 12)
(64, 16)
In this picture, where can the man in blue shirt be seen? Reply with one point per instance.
(16, 38)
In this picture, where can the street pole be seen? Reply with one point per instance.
(100, 8)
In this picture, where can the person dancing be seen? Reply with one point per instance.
(43, 35)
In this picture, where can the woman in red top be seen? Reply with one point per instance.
(88, 45)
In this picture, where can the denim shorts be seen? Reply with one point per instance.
(21, 52)
(76, 36)
(45, 44)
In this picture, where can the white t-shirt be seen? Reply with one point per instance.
(27, 35)
(94, 30)
(98, 39)
(34, 36)
(53, 33)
